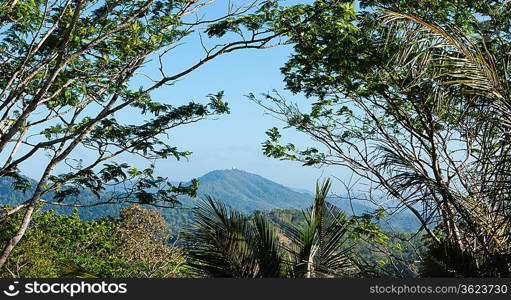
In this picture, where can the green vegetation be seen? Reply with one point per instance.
(411, 97)
(248, 192)
(241, 190)
(224, 243)
(321, 241)
(395, 254)
(112, 247)
(66, 73)
(134, 245)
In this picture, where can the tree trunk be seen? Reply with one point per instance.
(16, 238)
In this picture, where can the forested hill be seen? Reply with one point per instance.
(248, 192)
(11, 197)
(244, 191)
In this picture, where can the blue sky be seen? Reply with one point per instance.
(229, 141)
(234, 140)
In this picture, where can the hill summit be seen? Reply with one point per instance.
(239, 189)
(249, 192)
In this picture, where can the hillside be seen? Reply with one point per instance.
(244, 191)
(248, 192)
(12, 197)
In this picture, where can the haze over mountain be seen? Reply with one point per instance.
(243, 191)
(249, 192)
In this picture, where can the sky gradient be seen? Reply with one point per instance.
(228, 141)
(233, 140)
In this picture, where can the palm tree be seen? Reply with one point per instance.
(476, 236)
(319, 249)
(226, 243)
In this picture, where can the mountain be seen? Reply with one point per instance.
(303, 191)
(249, 192)
(8, 195)
(12, 197)
(243, 191)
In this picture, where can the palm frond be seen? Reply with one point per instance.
(267, 248)
(319, 249)
(217, 242)
(225, 243)
(459, 65)
(450, 56)
(454, 61)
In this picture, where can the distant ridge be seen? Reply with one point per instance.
(244, 191)
(303, 191)
(249, 192)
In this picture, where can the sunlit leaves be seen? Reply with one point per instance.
(225, 243)
(135, 244)
(253, 22)
(416, 106)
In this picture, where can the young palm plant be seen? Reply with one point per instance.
(470, 74)
(319, 249)
(226, 243)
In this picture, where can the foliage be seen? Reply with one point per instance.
(320, 249)
(68, 69)
(225, 243)
(144, 245)
(376, 252)
(241, 190)
(412, 97)
(65, 246)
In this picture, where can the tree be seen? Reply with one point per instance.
(144, 245)
(321, 248)
(67, 69)
(465, 65)
(136, 244)
(413, 99)
(225, 243)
